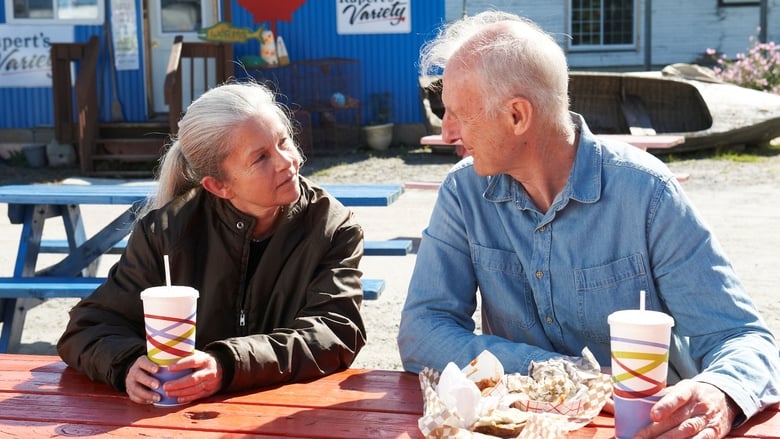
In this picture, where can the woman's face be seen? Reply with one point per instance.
(261, 172)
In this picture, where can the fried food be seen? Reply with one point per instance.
(502, 423)
(486, 385)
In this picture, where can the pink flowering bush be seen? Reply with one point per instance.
(758, 69)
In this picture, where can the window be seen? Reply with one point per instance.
(180, 16)
(739, 3)
(54, 11)
(602, 24)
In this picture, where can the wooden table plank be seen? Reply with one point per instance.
(389, 392)
(763, 425)
(334, 421)
(29, 429)
(645, 142)
(393, 391)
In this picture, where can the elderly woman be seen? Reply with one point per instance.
(274, 258)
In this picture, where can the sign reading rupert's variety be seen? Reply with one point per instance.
(373, 16)
(25, 54)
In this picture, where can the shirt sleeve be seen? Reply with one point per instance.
(105, 332)
(722, 339)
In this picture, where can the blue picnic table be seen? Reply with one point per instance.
(75, 274)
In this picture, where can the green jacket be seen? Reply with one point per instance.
(301, 308)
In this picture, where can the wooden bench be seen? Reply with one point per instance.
(42, 288)
(392, 247)
(641, 141)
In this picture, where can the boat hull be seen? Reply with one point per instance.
(706, 114)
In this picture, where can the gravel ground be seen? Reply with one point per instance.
(402, 164)
(738, 193)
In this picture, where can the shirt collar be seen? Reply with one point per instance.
(583, 185)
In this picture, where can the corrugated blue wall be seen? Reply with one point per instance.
(388, 62)
(32, 107)
(129, 83)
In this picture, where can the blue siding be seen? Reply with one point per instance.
(388, 62)
(33, 107)
(26, 107)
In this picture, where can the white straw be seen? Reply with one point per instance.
(642, 300)
(167, 271)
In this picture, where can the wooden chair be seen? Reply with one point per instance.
(214, 62)
(79, 127)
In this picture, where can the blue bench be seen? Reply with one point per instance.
(43, 288)
(393, 247)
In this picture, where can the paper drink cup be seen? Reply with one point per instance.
(640, 359)
(169, 317)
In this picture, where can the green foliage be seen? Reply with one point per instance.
(381, 106)
(732, 153)
(17, 158)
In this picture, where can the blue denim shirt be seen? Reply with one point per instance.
(548, 280)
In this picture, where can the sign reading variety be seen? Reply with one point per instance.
(25, 54)
(373, 16)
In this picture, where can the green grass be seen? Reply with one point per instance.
(735, 153)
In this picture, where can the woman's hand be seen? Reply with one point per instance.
(140, 382)
(691, 409)
(205, 379)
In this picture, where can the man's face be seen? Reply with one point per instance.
(484, 138)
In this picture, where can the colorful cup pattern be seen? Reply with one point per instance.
(638, 374)
(168, 338)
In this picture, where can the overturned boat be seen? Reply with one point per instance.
(682, 100)
(707, 112)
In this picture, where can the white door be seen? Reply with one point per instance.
(167, 19)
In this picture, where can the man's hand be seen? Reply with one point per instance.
(204, 381)
(690, 409)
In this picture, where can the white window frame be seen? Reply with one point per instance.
(11, 19)
(602, 47)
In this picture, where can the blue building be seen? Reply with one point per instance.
(382, 37)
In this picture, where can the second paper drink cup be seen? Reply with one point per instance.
(640, 358)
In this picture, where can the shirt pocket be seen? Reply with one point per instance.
(607, 288)
(506, 295)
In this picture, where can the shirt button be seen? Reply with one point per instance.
(549, 320)
(541, 229)
(539, 275)
(240, 225)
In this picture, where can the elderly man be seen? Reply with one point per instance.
(556, 230)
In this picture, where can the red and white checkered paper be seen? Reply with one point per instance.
(546, 419)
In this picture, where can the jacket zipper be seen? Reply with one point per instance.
(242, 318)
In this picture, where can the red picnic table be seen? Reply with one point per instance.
(41, 397)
